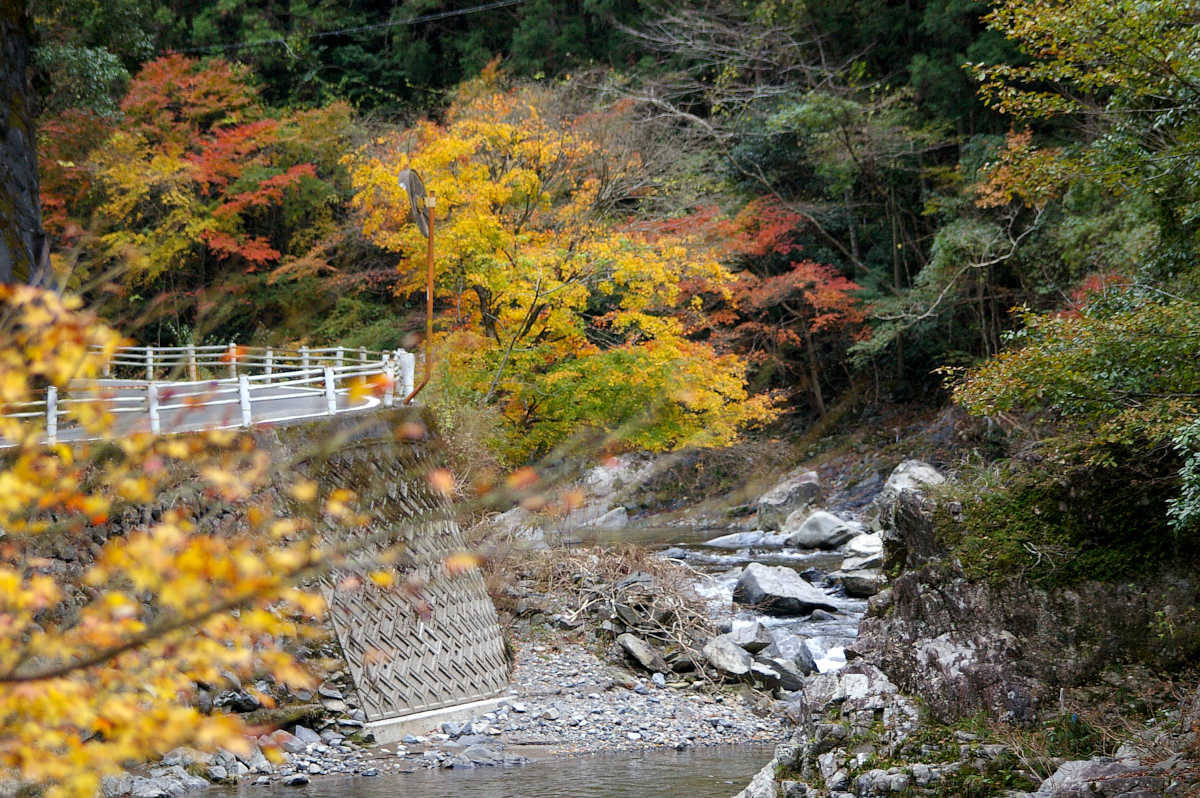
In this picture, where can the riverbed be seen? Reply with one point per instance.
(715, 772)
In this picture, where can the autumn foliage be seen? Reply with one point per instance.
(106, 639)
(563, 315)
(198, 185)
(789, 317)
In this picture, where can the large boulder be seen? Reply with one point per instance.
(819, 530)
(911, 479)
(797, 490)
(865, 545)
(1102, 778)
(790, 648)
(757, 539)
(779, 590)
(1006, 646)
(642, 653)
(863, 583)
(727, 656)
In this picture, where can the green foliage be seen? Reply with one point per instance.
(1062, 520)
(1184, 510)
(1126, 363)
(367, 51)
(88, 78)
(1125, 70)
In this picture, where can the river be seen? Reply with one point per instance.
(716, 772)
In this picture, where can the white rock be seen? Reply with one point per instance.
(859, 563)
(616, 518)
(865, 545)
(798, 489)
(779, 590)
(744, 540)
(727, 656)
(819, 530)
(912, 475)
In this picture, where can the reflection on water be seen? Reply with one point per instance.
(717, 772)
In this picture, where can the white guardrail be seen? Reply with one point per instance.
(163, 389)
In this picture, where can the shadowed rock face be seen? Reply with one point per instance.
(1005, 648)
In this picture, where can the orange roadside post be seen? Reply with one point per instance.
(422, 206)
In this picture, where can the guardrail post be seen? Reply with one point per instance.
(408, 370)
(389, 371)
(330, 396)
(304, 358)
(51, 414)
(233, 360)
(340, 353)
(244, 398)
(362, 355)
(270, 361)
(193, 373)
(152, 406)
(149, 363)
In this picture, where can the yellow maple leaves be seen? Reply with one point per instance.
(107, 629)
(536, 273)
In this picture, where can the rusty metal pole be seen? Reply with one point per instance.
(430, 203)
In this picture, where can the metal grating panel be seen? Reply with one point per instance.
(401, 662)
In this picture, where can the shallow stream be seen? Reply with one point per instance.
(718, 569)
(717, 772)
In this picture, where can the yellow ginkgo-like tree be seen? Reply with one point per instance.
(119, 594)
(551, 305)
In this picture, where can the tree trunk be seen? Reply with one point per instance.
(814, 375)
(897, 284)
(23, 247)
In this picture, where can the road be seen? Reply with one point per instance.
(190, 407)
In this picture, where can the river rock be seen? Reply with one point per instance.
(306, 735)
(166, 782)
(798, 489)
(642, 652)
(1102, 778)
(778, 590)
(482, 755)
(776, 674)
(819, 530)
(756, 539)
(859, 563)
(911, 478)
(913, 475)
(862, 584)
(616, 518)
(865, 545)
(790, 647)
(727, 656)
(287, 741)
(750, 635)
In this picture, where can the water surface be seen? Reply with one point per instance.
(716, 772)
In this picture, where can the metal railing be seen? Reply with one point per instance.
(145, 389)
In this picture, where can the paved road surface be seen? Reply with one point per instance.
(213, 405)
